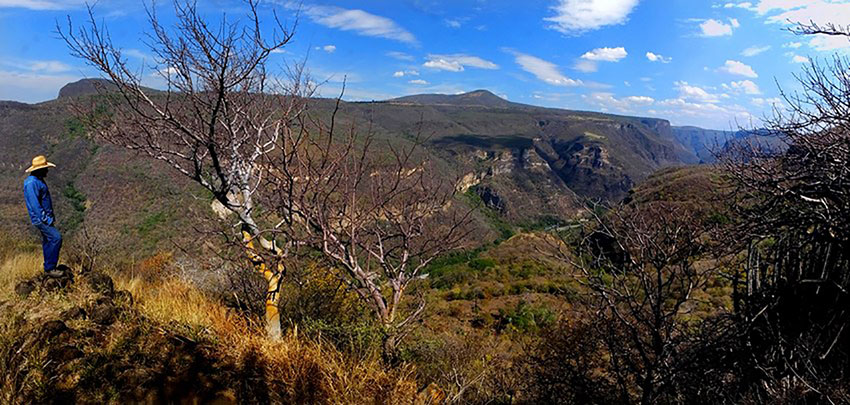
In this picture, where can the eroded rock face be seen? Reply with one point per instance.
(586, 167)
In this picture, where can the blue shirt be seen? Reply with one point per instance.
(39, 204)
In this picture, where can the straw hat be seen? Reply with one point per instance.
(39, 162)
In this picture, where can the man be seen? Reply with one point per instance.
(40, 208)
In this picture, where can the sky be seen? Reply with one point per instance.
(713, 64)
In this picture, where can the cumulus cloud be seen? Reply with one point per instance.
(755, 50)
(743, 86)
(709, 115)
(738, 68)
(827, 43)
(588, 61)
(607, 101)
(329, 48)
(457, 62)
(654, 57)
(577, 16)
(799, 59)
(358, 21)
(691, 92)
(402, 73)
(715, 28)
(418, 81)
(606, 54)
(804, 11)
(793, 12)
(792, 45)
(543, 70)
(774, 101)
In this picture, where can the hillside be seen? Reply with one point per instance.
(506, 155)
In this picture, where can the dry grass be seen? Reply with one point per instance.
(288, 364)
(294, 369)
(16, 268)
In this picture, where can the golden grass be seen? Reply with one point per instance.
(291, 366)
(288, 362)
(16, 268)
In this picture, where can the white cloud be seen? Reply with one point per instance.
(828, 43)
(402, 73)
(734, 22)
(793, 12)
(453, 22)
(804, 11)
(418, 81)
(457, 62)
(329, 48)
(32, 87)
(400, 56)
(745, 5)
(708, 115)
(576, 16)
(793, 45)
(690, 92)
(48, 66)
(41, 4)
(359, 21)
(799, 59)
(654, 57)
(586, 66)
(543, 70)
(737, 68)
(607, 101)
(588, 62)
(774, 101)
(743, 86)
(714, 28)
(755, 50)
(606, 54)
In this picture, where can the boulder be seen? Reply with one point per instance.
(103, 314)
(50, 330)
(25, 288)
(72, 313)
(100, 282)
(65, 353)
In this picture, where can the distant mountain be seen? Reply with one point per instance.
(703, 142)
(526, 164)
(707, 143)
(86, 87)
(480, 98)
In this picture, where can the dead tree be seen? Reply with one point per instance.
(641, 267)
(221, 113)
(794, 202)
(378, 214)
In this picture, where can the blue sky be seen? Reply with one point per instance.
(695, 62)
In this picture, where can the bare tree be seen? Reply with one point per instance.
(641, 267)
(221, 113)
(378, 215)
(794, 202)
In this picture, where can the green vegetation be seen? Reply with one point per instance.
(77, 199)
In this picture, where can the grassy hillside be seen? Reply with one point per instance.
(165, 341)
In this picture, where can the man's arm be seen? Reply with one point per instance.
(31, 191)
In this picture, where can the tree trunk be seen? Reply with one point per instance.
(273, 280)
(389, 351)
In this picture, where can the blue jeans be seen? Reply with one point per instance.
(51, 242)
